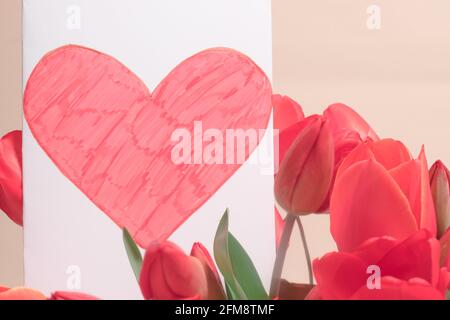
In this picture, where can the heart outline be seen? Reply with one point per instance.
(47, 72)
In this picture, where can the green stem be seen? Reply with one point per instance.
(281, 255)
(305, 247)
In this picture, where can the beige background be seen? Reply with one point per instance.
(11, 242)
(397, 77)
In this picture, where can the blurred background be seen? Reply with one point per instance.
(11, 239)
(387, 59)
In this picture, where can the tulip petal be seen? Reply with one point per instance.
(169, 274)
(390, 153)
(395, 289)
(215, 289)
(368, 203)
(293, 163)
(339, 275)
(306, 172)
(428, 212)
(286, 112)
(374, 249)
(360, 153)
(349, 130)
(288, 136)
(445, 249)
(343, 118)
(416, 257)
(444, 281)
(3, 289)
(159, 289)
(413, 262)
(201, 253)
(184, 275)
(11, 176)
(145, 281)
(158, 282)
(408, 179)
(413, 179)
(314, 182)
(314, 294)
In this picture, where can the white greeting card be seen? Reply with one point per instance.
(72, 239)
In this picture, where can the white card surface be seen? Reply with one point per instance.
(69, 243)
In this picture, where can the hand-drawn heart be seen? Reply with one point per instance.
(106, 133)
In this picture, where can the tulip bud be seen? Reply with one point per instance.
(306, 171)
(11, 176)
(286, 112)
(169, 274)
(215, 289)
(439, 180)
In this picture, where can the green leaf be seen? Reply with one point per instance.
(239, 272)
(223, 261)
(134, 254)
(245, 271)
(229, 293)
(448, 295)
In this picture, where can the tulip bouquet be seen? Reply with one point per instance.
(389, 216)
(388, 213)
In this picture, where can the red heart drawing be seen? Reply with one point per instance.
(103, 129)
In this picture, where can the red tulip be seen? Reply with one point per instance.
(306, 171)
(289, 135)
(286, 112)
(11, 176)
(348, 128)
(440, 190)
(20, 294)
(65, 295)
(380, 191)
(348, 131)
(409, 270)
(169, 274)
(394, 289)
(215, 289)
